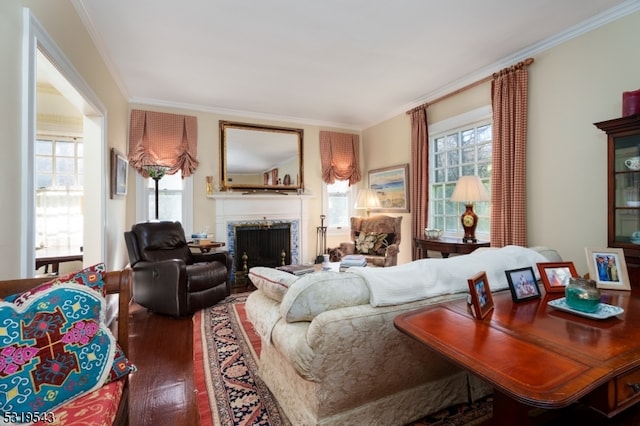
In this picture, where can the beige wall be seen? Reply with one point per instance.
(62, 24)
(209, 158)
(571, 86)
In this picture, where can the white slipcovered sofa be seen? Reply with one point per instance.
(331, 354)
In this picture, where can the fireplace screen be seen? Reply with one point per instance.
(262, 244)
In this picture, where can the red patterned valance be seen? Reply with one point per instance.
(158, 138)
(340, 157)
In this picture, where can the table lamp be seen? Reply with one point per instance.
(468, 190)
(367, 199)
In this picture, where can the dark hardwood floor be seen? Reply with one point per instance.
(162, 391)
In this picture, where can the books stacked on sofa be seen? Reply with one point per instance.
(300, 269)
(352, 260)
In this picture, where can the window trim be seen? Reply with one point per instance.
(338, 230)
(54, 139)
(142, 203)
(441, 127)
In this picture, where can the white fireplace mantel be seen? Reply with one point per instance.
(231, 207)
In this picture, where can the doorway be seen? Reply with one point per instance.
(45, 62)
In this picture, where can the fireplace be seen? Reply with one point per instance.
(267, 243)
(235, 209)
(262, 244)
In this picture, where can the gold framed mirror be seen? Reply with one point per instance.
(260, 157)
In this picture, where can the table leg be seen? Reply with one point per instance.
(508, 412)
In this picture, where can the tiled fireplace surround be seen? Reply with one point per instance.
(234, 208)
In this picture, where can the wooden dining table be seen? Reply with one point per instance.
(51, 256)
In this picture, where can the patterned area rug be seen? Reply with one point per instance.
(230, 392)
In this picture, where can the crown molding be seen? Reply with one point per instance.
(606, 17)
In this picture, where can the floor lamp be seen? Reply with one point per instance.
(156, 173)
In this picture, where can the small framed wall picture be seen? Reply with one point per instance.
(555, 275)
(119, 169)
(608, 268)
(480, 295)
(523, 284)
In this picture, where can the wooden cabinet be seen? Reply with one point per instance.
(623, 189)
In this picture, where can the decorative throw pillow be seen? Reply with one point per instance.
(272, 282)
(121, 366)
(92, 277)
(316, 293)
(373, 243)
(53, 348)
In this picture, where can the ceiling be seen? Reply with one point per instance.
(338, 63)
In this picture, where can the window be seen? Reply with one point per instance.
(339, 203)
(59, 192)
(460, 151)
(175, 199)
(59, 163)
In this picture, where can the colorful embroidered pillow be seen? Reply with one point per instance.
(53, 348)
(121, 366)
(92, 277)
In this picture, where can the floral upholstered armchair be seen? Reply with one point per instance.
(375, 237)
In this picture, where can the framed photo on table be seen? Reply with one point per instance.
(480, 295)
(392, 186)
(523, 284)
(608, 268)
(555, 275)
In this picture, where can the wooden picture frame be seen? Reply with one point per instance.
(608, 268)
(392, 186)
(119, 174)
(555, 275)
(523, 284)
(481, 298)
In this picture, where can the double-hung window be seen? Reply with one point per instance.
(175, 199)
(59, 192)
(338, 208)
(460, 147)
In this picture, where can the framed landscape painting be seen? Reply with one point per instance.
(392, 186)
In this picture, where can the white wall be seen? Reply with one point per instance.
(61, 22)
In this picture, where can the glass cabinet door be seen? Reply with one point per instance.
(626, 170)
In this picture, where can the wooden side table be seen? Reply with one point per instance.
(206, 248)
(538, 356)
(446, 246)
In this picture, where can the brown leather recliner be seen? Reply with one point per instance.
(167, 277)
